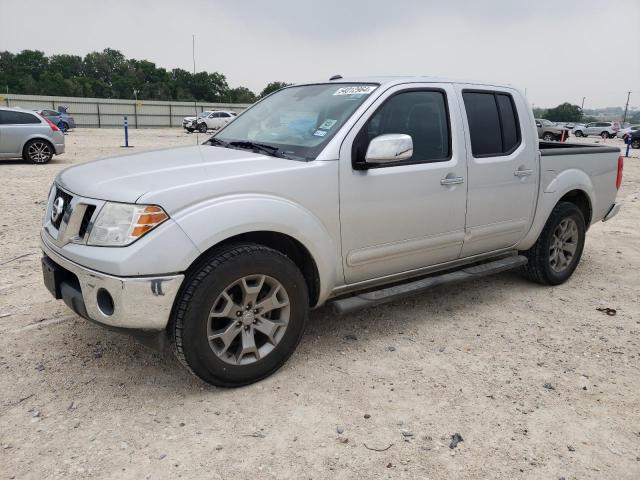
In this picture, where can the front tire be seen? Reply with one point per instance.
(240, 315)
(557, 252)
(605, 135)
(202, 127)
(578, 133)
(37, 151)
(635, 144)
(548, 137)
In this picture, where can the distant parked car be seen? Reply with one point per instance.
(214, 121)
(61, 118)
(28, 135)
(548, 131)
(623, 132)
(602, 129)
(188, 122)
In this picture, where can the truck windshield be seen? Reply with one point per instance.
(295, 122)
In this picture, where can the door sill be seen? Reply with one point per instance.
(409, 274)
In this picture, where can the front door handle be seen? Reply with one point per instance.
(523, 173)
(451, 181)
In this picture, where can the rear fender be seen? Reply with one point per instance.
(552, 190)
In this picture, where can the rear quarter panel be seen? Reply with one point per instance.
(593, 173)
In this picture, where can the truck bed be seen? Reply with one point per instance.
(595, 165)
(559, 148)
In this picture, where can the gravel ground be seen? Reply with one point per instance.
(537, 381)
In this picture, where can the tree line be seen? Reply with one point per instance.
(567, 112)
(109, 74)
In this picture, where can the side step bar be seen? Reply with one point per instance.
(384, 295)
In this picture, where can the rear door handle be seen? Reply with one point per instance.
(523, 173)
(451, 181)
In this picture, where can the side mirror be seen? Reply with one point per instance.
(392, 147)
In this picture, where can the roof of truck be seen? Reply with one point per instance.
(400, 79)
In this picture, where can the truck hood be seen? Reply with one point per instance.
(160, 173)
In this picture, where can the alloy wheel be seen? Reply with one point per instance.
(564, 244)
(248, 319)
(39, 152)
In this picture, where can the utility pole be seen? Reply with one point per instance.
(195, 101)
(626, 108)
(582, 106)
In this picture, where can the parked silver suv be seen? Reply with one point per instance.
(602, 129)
(27, 135)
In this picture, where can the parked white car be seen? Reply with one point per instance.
(214, 121)
(623, 132)
(350, 192)
(602, 129)
(188, 122)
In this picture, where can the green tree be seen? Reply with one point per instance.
(273, 87)
(564, 113)
(241, 95)
(539, 112)
(109, 74)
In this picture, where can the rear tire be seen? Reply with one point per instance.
(64, 126)
(219, 321)
(555, 245)
(37, 151)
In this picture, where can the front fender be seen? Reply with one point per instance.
(212, 222)
(553, 187)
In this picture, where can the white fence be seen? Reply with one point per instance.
(105, 112)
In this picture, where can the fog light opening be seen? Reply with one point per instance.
(105, 302)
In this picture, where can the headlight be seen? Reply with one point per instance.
(120, 224)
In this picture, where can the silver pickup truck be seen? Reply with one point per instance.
(348, 192)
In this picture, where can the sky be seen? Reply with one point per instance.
(556, 51)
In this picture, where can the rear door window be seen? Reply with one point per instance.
(10, 117)
(493, 123)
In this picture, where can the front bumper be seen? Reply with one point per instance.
(140, 303)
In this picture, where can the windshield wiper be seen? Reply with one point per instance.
(261, 147)
(213, 141)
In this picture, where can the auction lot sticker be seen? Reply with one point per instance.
(356, 89)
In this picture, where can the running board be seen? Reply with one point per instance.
(384, 295)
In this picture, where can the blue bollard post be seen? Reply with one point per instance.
(629, 140)
(126, 132)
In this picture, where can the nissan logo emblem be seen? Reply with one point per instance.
(57, 209)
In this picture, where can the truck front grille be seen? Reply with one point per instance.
(86, 220)
(66, 197)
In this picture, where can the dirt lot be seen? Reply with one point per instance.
(537, 382)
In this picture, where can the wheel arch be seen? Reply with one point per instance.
(37, 137)
(281, 223)
(281, 242)
(23, 150)
(572, 186)
(581, 200)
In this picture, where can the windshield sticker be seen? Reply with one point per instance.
(328, 123)
(356, 89)
(320, 133)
